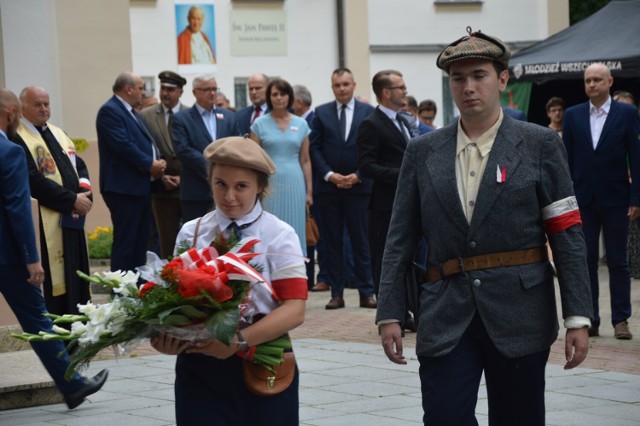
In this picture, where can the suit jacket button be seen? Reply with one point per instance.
(477, 283)
(472, 244)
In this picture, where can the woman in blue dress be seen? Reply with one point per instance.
(285, 137)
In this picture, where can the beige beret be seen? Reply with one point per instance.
(475, 45)
(239, 152)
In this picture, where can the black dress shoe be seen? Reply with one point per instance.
(368, 302)
(335, 303)
(89, 387)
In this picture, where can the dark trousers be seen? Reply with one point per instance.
(340, 209)
(450, 383)
(193, 209)
(131, 217)
(614, 223)
(167, 212)
(378, 229)
(27, 304)
(211, 391)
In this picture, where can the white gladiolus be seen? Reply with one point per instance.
(78, 328)
(86, 309)
(60, 330)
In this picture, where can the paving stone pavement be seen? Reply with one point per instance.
(346, 379)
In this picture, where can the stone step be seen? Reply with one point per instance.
(24, 382)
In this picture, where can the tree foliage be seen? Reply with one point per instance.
(580, 9)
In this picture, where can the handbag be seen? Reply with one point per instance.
(312, 230)
(263, 382)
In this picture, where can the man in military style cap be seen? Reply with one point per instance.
(165, 198)
(486, 193)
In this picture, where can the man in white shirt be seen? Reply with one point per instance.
(601, 137)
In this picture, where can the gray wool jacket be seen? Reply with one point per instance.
(517, 304)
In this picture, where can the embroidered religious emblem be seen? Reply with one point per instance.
(44, 161)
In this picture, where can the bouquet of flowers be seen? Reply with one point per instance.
(199, 295)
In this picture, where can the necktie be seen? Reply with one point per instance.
(403, 126)
(256, 114)
(237, 229)
(169, 120)
(141, 123)
(342, 122)
(233, 228)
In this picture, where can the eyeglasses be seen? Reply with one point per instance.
(208, 89)
(403, 88)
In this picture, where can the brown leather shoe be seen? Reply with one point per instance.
(368, 302)
(594, 331)
(320, 286)
(335, 303)
(621, 331)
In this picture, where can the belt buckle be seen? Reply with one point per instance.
(461, 264)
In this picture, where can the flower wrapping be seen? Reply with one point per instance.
(199, 295)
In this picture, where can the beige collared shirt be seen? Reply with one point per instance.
(471, 160)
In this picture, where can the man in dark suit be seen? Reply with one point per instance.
(20, 267)
(485, 192)
(191, 132)
(602, 141)
(343, 193)
(129, 161)
(165, 197)
(382, 139)
(245, 117)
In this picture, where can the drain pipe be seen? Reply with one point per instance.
(340, 19)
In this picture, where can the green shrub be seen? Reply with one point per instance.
(100, 242)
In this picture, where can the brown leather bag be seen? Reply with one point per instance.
(312, 230)
(263, 382)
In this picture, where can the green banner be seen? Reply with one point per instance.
(517, 96)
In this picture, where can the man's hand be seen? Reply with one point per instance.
(83, 203)
(634, 212)
(391, 336)
(576, 346)
(36, 273)
(170, 183)
(352, 179)
(344, 182)
(157, 168)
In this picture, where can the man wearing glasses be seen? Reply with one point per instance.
(382, 140)
(192, 130)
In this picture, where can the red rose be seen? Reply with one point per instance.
(192, 283)
(146, 288)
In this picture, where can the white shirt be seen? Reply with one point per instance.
(349, 111)
(597, 117)
(393, 116)
(174, 110)
(209, 118)
(278, 240)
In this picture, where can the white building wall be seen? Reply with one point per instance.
(416, 22)
(312, 46)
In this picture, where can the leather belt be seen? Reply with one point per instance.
(485, 261)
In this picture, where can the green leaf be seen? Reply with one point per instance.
(176, 320)
(192, 312)
(222, 325)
